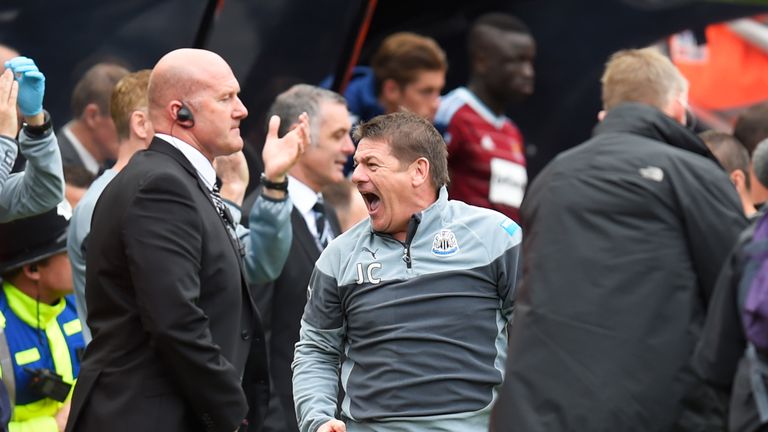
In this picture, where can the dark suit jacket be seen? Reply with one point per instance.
(69, 156)
(171, 314)
(281, 304)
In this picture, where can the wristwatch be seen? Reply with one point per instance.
(42, 130)
(266, 183)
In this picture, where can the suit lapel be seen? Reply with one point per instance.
(303, 237)
(160, 145)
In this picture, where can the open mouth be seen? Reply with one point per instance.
(372, 201)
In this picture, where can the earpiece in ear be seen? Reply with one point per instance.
(184, 117)
(33, 267)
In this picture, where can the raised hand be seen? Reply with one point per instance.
(233, 172)
(9, 89)
(31, 85)
(280, 154)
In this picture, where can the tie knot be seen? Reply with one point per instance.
(319, 207)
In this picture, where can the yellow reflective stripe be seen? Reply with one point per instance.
(35, 416)
(72, 327)
(27, 356)
(59, 351)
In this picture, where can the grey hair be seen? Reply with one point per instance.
(760, 162)
(302, 98)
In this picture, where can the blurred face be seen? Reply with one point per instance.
(55, 276)
(384, 185)
(218, 112)
(105, 134)
(509, 70)
(323, 163)
(422, 96)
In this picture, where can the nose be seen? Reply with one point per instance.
(348, 147)
(434, 107)
(528, 70)
(241, 111)
(358, 175)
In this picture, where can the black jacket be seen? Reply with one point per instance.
(623, 239)
(171, 314)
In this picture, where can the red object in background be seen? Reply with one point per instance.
(726, 73)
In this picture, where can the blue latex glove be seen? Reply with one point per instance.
(31, 85)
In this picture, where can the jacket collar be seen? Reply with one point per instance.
(647, 121)
(161, 146)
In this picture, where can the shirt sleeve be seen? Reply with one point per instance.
(318, 354)
(40, 187)
(268, 239)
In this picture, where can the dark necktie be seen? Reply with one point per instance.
(226, 216)
(218, 201)
(319, 210)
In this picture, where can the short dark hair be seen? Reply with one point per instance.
(495, 20)
(78, 176)
(96, 87)
(752, 126)
(401, 56)
(409, 137)
(728, 150)
(760, 162)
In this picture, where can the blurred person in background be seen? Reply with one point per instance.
(89, 140)
(486, 154)
(625, 235)
(734, 158)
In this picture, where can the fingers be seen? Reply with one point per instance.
(274, 125)
(19, 61)
(14, 93)
(304, 132)
(6, 82)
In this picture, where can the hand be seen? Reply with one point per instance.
(333, 426)
(9, 89)
(63, 414)
(280, 154)
(233, 172)
(31, 85)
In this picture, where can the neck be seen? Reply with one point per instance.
(33, 290)
(494, 104)
(388, 107)
(300, 174)
(84, 136)
(126, 150)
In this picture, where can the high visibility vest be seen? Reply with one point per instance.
(39, 336)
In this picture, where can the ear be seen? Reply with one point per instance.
(91, 115)
(601, 115)
(420, 172)
(738, 178)
(31, 272)
(173, 110)
(390, 92)
(139, 124)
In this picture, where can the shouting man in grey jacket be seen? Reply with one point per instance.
(417, 297)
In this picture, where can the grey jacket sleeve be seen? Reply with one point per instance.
(8, 153)
(40, 187)
(318, 354)
(268, 240)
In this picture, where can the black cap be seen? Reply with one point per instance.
(27, 240)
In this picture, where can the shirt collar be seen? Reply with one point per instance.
(89, 162)
(302, 196)
(202, 165)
